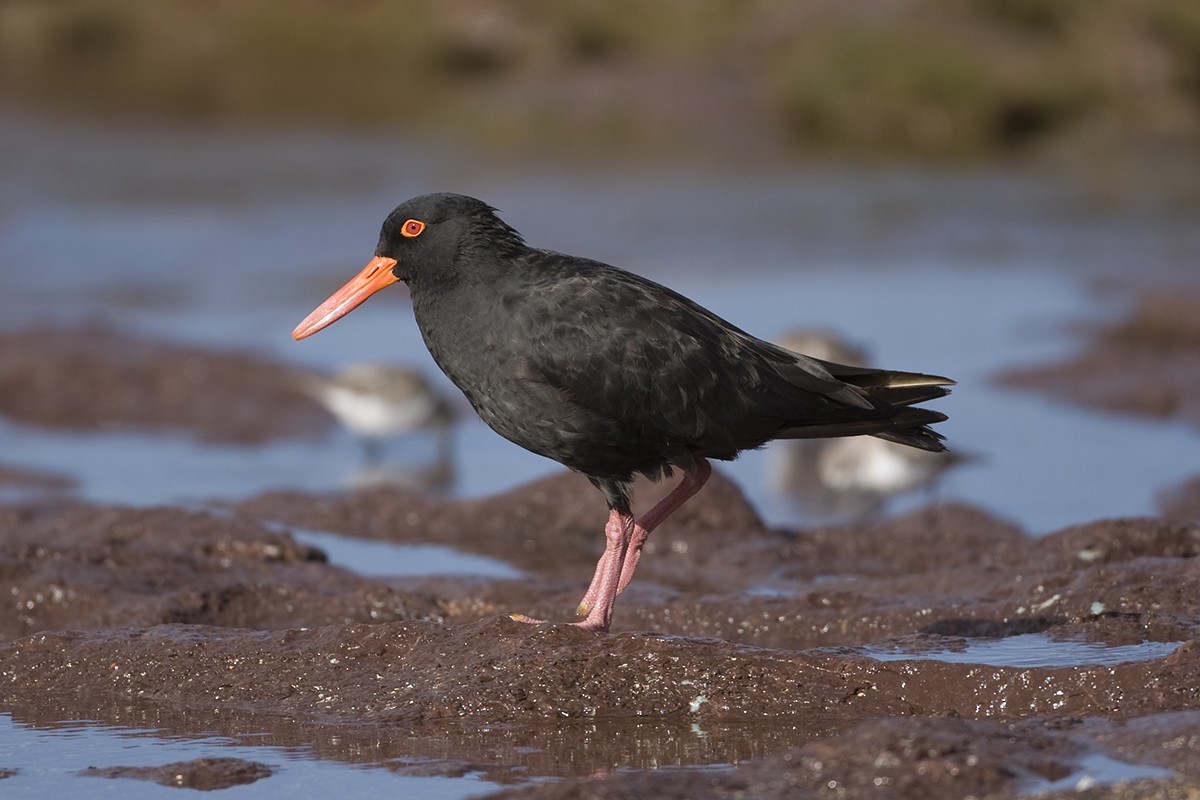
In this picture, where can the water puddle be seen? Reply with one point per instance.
(456, 759)
(374, 559)
(49, 760)
(1096, 770)
(1023, 651)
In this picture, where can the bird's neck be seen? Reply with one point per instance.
(473, 267)
(455, 294)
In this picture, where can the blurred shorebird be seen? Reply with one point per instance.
(854, 476)
(377, 402)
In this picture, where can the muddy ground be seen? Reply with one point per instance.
(759, 649)
(117, 380)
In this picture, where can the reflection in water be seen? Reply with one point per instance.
(53, 754)
(504, 754)
(433, 478)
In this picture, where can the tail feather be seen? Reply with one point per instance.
(887, 389)
(910, 426)
(909, 395)
(874, 379)
(819, 399)
(891, 386)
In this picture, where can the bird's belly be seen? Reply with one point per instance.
(537, 418)
(487, 363)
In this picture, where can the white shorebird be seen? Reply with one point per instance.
(853, 476)
(377, 402)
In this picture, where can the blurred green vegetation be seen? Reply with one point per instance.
(923, 77)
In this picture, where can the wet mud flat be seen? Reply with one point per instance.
(943, 653)
(843, 676)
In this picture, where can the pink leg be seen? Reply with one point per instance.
(589, 597)
(624, 539)
(617, 534)
(692, 482)
(603, 590)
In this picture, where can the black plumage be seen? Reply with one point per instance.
(610, 373)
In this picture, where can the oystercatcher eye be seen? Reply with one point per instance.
(412, 227)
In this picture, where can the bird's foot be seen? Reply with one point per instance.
(589, 624)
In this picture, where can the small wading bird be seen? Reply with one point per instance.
(850, 477)
(377, 402)
(609, 373)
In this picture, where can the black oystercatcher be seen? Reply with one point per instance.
(609, 373)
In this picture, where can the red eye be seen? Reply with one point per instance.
(412, 227)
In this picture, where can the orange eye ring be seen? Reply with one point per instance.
(412, 228)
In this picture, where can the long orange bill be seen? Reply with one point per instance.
(374, 277)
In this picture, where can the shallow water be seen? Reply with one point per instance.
(228, 238)
(51, 758)
(384, 559)
(1028, 650)
(1097, 769)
